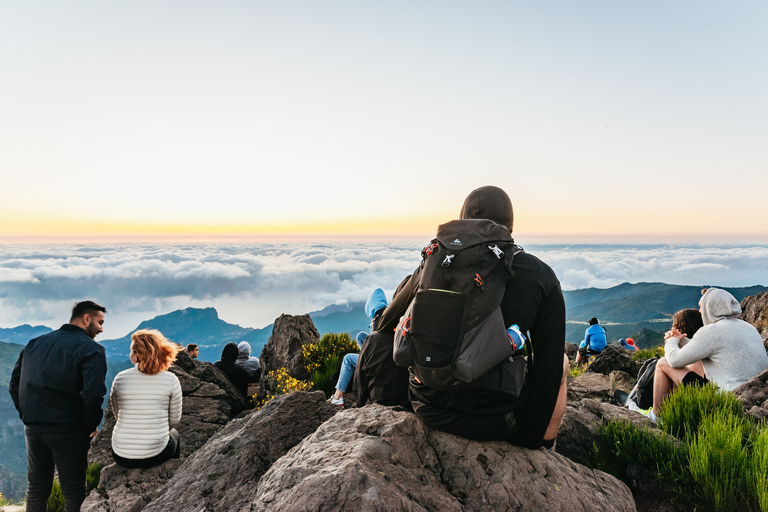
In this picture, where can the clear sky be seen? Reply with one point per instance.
(603, 120)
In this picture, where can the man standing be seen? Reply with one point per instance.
(58, 388)
(533, 300)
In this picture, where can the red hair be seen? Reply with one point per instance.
(153, 352)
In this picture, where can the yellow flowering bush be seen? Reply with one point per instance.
(323, 359)
(279, 382)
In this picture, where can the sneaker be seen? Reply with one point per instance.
(649, 413)
(337, 401)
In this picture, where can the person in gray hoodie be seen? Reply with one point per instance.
(731, 350)
(251, 365)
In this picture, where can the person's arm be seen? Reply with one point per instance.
(175, 403)
(548, 344)
(696, 349)
(13, 387)
(94, 372)
(114, 397)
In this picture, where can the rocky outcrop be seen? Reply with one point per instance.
(571, 349)
(379, 458)
(754, 396)
(578, 431)
(754, 309)
(284, 348)
(128, 490)
(589, 385)
(613, 358)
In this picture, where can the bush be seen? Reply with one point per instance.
(278, 382)
(721, 460)
(648, 353)
(92, 476)
(322, 359)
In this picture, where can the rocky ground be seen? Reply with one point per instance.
(300, 453)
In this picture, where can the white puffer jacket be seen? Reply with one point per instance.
(146, 407)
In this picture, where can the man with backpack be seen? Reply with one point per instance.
(467, 375)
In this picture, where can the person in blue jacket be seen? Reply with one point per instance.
(594, 341)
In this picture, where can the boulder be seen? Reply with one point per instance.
(754, 309)
(754, 396)
(571, 349)
(224, 473)
(589, 385)
(613, 358)
(284, 348)
(128, 490)
(380, 458)
(578, 432)
(621, 380)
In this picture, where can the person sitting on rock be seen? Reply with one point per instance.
(628, 343)
(193, 350)
(250, 364)
(594, 341)
(228, 364)
(146, 401)
(374, 307)
(725, 350)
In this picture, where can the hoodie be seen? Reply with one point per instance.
(730, 349)
(375, 305)
(236, 375)
(250, 364)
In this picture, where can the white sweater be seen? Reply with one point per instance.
(146, 407)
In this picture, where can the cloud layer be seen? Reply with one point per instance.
(251, 284)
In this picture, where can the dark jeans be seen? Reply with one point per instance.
(69, 454)
(172, 451)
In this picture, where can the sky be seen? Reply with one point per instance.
(242, 121)
(251, 284)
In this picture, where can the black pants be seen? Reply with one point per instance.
(172, 451)
(66, 452)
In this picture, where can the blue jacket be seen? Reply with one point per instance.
(375, 304)
(594, 338)
(57, 384)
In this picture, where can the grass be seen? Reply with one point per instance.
(648, 353)
(709, 452)
(322, 359)
(56, 499)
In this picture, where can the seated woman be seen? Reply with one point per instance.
(725, 350)
(146, 401)
(228, 364)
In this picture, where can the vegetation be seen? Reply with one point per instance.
(278, 382)
(4, 501)
(648, 353)
(323, 359)
(56, 499)
(709, 452)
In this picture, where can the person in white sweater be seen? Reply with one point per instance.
(146, 401)
(730, 350)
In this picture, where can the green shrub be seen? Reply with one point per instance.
(56, 499)
(322, 358)
(279, 382)
(720, 461)
(648, 353)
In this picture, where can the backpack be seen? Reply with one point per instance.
(453, 332)
(642, 394)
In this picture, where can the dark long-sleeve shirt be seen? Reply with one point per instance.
(57, 384)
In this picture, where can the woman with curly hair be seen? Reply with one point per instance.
(146, 401)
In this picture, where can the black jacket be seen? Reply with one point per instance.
(57, 384)
(236, 375)
(379, 380)
(534, 301)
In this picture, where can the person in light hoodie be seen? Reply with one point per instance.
(146, 401)
(730, 350)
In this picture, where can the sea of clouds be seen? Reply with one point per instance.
(252, 284)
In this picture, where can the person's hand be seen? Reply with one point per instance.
(93, 433)
(674, 333)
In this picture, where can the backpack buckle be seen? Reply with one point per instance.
(496, 251)
(447, 260)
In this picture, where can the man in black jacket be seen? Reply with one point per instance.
(58, 388)
(534, 301)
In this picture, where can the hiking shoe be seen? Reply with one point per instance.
(649, 414)
(337, 401)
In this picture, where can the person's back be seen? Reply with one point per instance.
(595, 338)
(251, 365)
(236, 375)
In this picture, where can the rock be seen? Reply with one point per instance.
(380, 458)
(614, 358)
(754, 396)
(128, 490)
(621, 380)
(284, 348)
(209, 402)
(571, 349)
(223, 474)
(754, 309)
(578, 432)
(589, 385)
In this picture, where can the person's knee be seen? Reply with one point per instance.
(662, 365)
